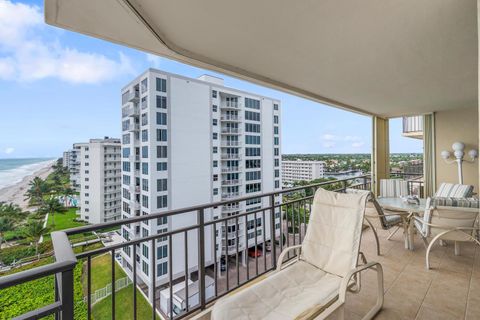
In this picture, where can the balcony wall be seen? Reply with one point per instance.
(456, 125)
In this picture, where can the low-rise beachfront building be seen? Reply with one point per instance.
(297, 170)
(100, 180)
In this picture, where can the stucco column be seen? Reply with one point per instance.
(380, 152)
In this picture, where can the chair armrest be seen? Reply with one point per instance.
(284, 253)
(370, 265)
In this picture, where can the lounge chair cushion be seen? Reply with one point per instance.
(455, 202)
(451, 190)
(334, 230)
(293, 292)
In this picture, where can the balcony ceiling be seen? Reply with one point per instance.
(382, 57)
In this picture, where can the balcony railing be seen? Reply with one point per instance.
(230, 156)
(231, 169)
(231, 105)
(231, 130)
(230, 143)
(231, 182)
(217, 273)
(229, 117)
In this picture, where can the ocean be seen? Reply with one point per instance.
(13, 171)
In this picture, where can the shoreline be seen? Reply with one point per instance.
(15, 193)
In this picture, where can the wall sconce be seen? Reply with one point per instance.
(458, 153)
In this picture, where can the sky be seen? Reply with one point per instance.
(58, 87)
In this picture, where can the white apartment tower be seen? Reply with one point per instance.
(297, 170)
(190, 142)
(100, 180)
(74, 166)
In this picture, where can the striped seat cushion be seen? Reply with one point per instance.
(390, 188)
(455, 202)
(450, 190)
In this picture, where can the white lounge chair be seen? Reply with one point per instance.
(448, 223)
(315, 282)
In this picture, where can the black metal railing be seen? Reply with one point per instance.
(211, 264)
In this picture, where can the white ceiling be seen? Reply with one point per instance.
(383, 57)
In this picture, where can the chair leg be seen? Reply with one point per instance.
(375, 235)
(425, 242)
(393, 233)
(430, 248)
(457, 248)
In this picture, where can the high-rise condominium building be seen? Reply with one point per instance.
(190, 142)
(99, 179)
(297, 170)
(74, 166)
(67, 158)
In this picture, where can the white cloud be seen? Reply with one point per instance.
(329, 140)
(358, 144)
(9, 150)
(328, 137)
(26, 56)
(154, 60)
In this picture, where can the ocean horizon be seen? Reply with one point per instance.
(14, 170)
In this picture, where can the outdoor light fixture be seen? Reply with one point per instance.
(458, 154)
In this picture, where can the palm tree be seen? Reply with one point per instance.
(51, 206)
(12, 211)
(38, 189)
(6, 224)
(34, 230)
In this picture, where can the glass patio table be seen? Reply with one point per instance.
(399, 205)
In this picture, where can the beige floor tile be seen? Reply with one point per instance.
(428, 313)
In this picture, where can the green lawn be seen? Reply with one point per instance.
(102, 272)
(123, 306)
(64, 220)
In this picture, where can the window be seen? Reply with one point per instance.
(215, 177)
(144, 119)
(252, 127)
(162, 252)
(277, 184)
(161, 166)
(162, 202)
(143, 103)
(214, 93)
(162, 220)
(275, 130)
(161, 102)
(215, 136)
(161, 134)
(275, 119)
(145, 251)
(162, 185)
(161, 151)
(252, 103)
(215, 191)
(214, 108)
(253, 116)
(145, 268)
(161, 85)
(144, 85)
(251, 164)
(276, 151)
(162, 269)
(254, 201)
(215, 149)
(161, 118)
(145, 152)
(126, 166)
(145, 184)
(253, 187)
(276, 162)
(277, 173)
(144, 201)
(215, 163)
(214, 122)
(275, 106)
(252, 139)
(252, 152)
(126, 138)
(253, 175)
(144, 168)
(276, 141)
(126, 152)
(126, 179)
(144, 135)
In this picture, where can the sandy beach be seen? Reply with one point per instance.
(15, 193)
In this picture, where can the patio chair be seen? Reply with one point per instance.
(448, 219)
(388, 219)
(450, 190)
(393, 188)
(314, 283)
